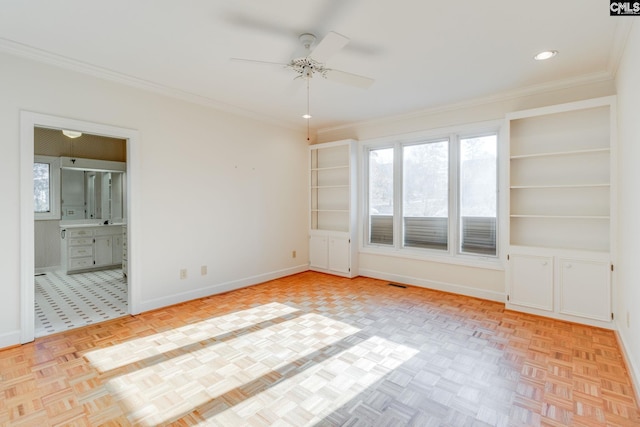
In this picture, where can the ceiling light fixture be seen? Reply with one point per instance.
(71, 134)
(546, 54)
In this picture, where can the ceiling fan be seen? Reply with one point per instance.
(313, 60)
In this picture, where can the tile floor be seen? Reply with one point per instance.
(64, 302)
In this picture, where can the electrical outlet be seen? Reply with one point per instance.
(293, 254)
(203, 270)
(183, 273)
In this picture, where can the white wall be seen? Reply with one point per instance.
(627, 295)
(215, 188)
(467, 280)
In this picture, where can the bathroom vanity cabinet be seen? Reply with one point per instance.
(86, 248)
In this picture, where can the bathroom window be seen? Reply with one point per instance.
(46, 187)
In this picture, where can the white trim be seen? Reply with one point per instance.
(25, 51)
(605, 101)
(476, 102)
(44, 270)
(219, 288)
(436, 285)
(78, 163)
(441, 257)
(633, 365)
(623, 29)
(560, 316)
(9, 339)
(28, 120)
(453, 134)
(464, 130)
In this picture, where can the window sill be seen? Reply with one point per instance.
(486, 262)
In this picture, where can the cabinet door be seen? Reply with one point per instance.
(103, 254)
(531, 281)
(339, 249)
(318, 252)
(117, 249)
(585, 288)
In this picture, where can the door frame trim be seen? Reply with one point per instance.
(29, 120)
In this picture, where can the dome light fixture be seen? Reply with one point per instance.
(71, 134)
(545, 54)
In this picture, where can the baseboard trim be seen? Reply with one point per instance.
(42, 270)
(436, 285)
(219, 288)
(9, 339)
(634, 368)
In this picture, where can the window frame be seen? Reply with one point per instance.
(54, 188)
(453, 254)
(459, 231)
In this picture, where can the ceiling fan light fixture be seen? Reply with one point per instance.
(71, 133)
(545, 54)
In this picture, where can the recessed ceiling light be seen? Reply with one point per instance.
(306, 116)
(547, 54)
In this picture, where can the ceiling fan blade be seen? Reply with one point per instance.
(259, 62)
(328, 46)
(349, 79)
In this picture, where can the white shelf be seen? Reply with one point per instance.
(528, 187)
(329, 168)
(561, 216)
(560, 153)
(332, 222)
(561, 185)
(560, 176)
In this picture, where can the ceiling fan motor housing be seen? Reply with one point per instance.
(307, 40)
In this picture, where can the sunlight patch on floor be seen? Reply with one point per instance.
(179, 382)
(320, 389)
(153, 346)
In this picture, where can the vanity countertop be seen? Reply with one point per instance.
(119, 224)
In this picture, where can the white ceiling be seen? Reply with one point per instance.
(421, 53)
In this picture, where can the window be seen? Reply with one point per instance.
(381, 196)
(41, 187)
(435, 196)
(46, 183)
(478, 194)
(425, 195)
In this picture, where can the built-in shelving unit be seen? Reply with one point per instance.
(332, 207)
(560, 201)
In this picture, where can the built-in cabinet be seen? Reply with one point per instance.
(89, 248)
(332, 235)
(560, 221)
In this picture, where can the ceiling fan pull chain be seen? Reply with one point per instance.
(308, 109)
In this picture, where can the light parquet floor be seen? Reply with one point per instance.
(313, 349)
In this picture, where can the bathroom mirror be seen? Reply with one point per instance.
(91, 189)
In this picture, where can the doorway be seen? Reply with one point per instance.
(28, 123)
(78, 282)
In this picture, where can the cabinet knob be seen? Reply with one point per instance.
(568, 266)
(544, 262)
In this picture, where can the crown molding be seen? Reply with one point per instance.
(39, 55)
(619, 43)
(469, 103)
